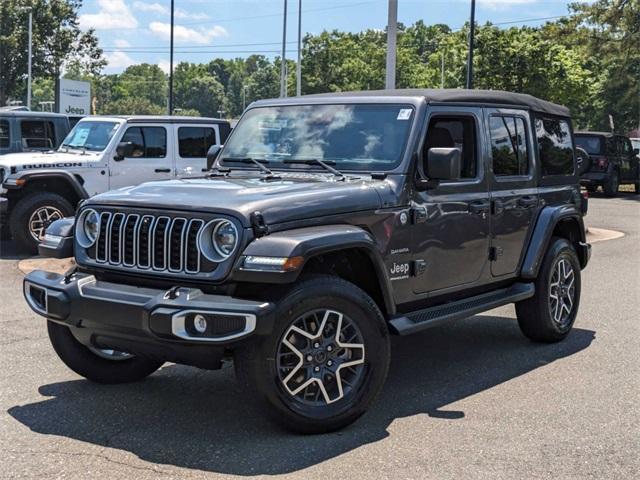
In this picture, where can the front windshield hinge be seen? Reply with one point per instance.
(378, 175)
(258, 224)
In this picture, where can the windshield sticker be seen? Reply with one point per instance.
(404, 114)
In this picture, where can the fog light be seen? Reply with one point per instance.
(200, 323)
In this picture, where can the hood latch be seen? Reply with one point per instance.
(258, 224)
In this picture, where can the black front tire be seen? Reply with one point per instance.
(87, 364)
(536, 314)
(260, 369)
(26, 207)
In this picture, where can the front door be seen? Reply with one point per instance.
(514, 195)
(452, 220)
(151, 158)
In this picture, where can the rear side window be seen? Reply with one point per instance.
(509, 146)
(4, 134)
(455, 132)
(148, 142)
(194, 142)
(626, 146)
(37, 134)
(555, 146)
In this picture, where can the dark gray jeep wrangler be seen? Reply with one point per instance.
(326, 224)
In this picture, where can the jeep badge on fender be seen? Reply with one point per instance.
(290, 257)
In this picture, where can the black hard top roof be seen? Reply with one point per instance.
(27, 113)
(456, 95)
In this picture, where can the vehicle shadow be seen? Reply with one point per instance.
(201, 420)
(619, 196)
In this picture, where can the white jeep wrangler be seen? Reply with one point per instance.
(99, 154)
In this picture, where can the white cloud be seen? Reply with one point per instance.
(151, 7)
(118, 60)
(121, 43)
(164, 66)
(179, 13)
(113, 14)
(159, 9)
(184, 34)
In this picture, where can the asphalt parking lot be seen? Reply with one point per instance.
(470, 400)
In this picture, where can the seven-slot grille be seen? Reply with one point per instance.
(149, 242)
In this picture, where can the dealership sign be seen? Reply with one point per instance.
(74, 97)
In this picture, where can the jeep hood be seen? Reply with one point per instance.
(281, 200)
(23, 160)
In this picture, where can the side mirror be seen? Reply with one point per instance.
(123, 150)
(58, 239)
(636, 151)
(443, 163)
(212, 155)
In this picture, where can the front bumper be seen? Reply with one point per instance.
(146, 321)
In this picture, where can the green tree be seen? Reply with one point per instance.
(57, 40)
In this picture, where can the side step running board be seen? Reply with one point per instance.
(439, 314)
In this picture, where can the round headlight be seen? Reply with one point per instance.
(88, 228)
(225, 238)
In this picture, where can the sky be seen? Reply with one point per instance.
(137, 31)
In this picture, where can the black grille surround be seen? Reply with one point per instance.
(157, 243)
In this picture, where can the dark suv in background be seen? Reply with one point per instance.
(24, 131)
(612, 162)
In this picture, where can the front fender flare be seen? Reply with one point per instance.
(547, 220)
(18, 180)
(310, 242)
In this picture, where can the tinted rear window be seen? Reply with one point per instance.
(591, 143)
(555, 146)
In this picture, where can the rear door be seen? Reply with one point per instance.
(150, 159)
(628, 160)
(512, 185)
(193, 142)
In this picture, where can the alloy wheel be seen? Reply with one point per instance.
(562, 292)
(40, 219)
(321, 358)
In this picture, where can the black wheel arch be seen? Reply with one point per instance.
(345, 251)
(558, 221)
(65, 184)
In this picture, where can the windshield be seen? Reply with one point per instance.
(591, 143)
(349, 136)
(93, 136)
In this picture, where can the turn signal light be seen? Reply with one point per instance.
(272, 264)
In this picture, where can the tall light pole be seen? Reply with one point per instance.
(392, 31)
(283, 66)
(472, 32)
(170, 106)
(442, 71)
(299, 64)
(30, 54)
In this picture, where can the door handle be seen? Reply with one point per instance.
(527, 201)
(479, 207)
(163, 170)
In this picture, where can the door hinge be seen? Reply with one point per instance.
(494, 253)
(418, 215)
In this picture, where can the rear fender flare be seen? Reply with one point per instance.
(547, 220)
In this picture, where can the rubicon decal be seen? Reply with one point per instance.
(51, 165)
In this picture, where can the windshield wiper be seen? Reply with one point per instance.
(258, 163)
(312, 161)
